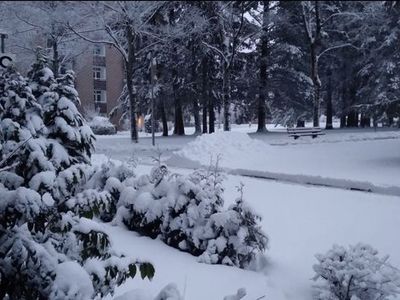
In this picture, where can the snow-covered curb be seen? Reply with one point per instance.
(365, 186)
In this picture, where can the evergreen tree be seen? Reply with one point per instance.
(46, 250)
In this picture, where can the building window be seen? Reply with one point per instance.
(100, 96)
(99, 50)
(99, 73)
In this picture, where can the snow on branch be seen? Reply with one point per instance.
(307, 23)
(334, 48)
(216, 50)
(345, 13)
(114, 44)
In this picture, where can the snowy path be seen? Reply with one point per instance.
(300, 222)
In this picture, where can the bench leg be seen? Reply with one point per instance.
(314, 136)
(296, 137)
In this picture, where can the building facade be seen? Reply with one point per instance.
(100, 80)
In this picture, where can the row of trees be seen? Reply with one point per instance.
(286, 61)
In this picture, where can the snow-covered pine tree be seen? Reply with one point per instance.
(64, 121)
(42, 243)
(234, 236)
(40, 75)
(199, 197)
(355, 273)
(21, 130)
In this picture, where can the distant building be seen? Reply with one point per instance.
(100, 80)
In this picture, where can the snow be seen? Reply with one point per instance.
(99, 121)
(135, 294)
(230, 145)
(300, 220)
(360, 164)
(73, 281)
(170, 292)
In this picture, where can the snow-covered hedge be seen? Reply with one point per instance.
(186, 212)
(102, 126)
(355, 273)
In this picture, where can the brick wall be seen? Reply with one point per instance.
(85, 83)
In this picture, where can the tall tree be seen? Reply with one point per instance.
(320, 17)
(123, 23)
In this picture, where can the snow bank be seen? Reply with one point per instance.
(230, 146)
(366, 165)
(170, 292)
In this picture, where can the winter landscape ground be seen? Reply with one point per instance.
(301, 219)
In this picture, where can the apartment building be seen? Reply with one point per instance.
(100, 79)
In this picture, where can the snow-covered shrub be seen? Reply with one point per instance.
(102, 126)
(186, 212)
(100, 190)
(235, 235)
(45, 148)
(199, 197)
(355, 273)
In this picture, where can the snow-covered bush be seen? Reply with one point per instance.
(99, 191)
(235, 235)
(186, 212)
(102, 126)
(47, 249)
(355, 273)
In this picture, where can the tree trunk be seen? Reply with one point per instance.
(211, 115)
(261, 107)
(196, 108)
(343, 122)
(204, 117)
(314, 50)
(179, 128)
(204, 90)
(196, 114)
(129, 82)
(316, 86)
(56, 58)
(329, 111)
(352, 117)
(226, 101)
(163, 115)
(365, 121)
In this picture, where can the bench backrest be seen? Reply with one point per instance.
(304, 130)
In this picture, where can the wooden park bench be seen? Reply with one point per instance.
(304, 131)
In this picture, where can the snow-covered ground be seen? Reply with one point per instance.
(301, 220)
(363, 163)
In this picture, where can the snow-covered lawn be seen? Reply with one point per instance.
(300, 222)
(369, 162)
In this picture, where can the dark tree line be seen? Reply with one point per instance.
(278, 61)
